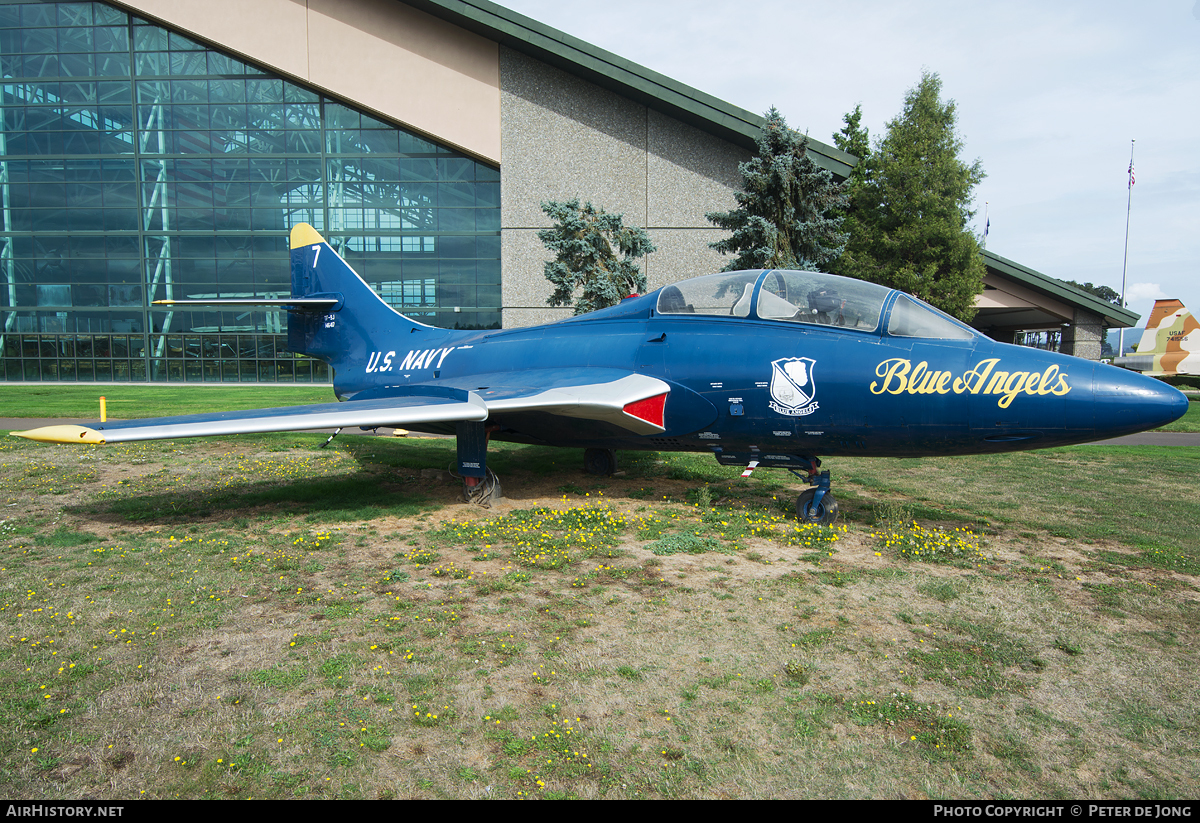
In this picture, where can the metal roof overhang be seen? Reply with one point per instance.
(1042, 302)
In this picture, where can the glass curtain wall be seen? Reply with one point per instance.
(137, 165)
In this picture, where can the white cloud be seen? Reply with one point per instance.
(1138, 292)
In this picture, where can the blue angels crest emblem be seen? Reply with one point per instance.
(792, 387)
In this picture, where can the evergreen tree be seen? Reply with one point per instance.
(854, 138)
(910, 211)
(785, 217)
(583, 240)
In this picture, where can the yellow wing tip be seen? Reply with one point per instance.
(63, 434)
(305, 235)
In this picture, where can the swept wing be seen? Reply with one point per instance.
(608, 395)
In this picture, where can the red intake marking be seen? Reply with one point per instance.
(650, 409)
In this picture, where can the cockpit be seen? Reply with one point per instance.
(810, 298)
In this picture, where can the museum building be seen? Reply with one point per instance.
(153, 149)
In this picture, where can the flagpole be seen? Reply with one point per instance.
(1125, 261)
(987, 223)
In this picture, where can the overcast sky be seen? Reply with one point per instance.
(1049, 97)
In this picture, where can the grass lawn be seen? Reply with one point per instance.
(1190, 422)
(258, 617)
(129, 401)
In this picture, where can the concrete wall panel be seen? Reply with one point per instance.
(1082, 337)
(682, 253)
(689, 173)
(564, 137)
(524, 287)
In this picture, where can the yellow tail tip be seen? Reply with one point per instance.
(63, 434)
(305, 235)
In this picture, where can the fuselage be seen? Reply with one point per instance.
(860, 371)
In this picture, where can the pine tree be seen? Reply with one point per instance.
(854, 138)
(785, 217)
(909, 213)
(583, 239)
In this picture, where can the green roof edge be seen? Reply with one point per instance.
(615, 73)
(1115, 316)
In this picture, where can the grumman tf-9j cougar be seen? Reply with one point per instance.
(765, 369)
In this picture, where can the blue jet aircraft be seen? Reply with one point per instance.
(760, 368)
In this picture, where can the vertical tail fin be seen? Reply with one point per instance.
(358, 323)
(1172, 338)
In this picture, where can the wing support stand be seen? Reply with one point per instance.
(330, 440)
(480, 484)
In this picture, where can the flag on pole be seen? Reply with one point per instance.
(1131, 181)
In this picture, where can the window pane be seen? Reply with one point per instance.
(231, 158)
(911, 318)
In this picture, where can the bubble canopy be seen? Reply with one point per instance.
(810, 298)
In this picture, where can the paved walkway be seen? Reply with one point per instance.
(1153, 439)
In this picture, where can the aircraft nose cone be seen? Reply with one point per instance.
(1127, 402)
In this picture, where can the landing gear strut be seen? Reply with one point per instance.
(480, 484)
(816, 504)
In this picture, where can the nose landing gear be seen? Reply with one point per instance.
(816, 504)
(810, 509)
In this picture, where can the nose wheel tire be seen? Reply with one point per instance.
(824, 512)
